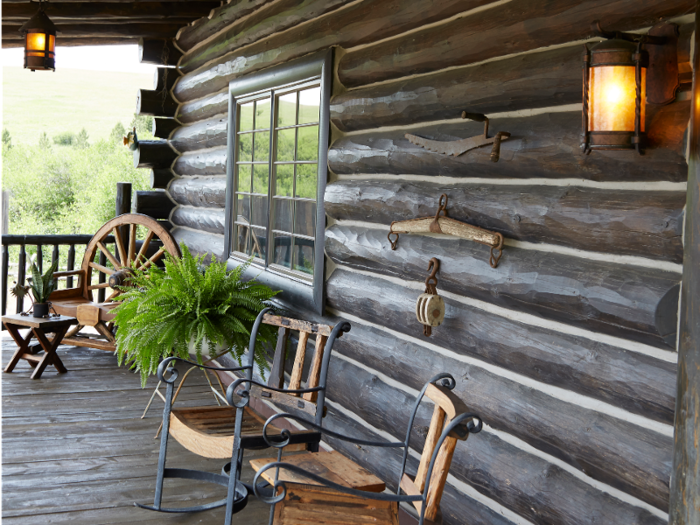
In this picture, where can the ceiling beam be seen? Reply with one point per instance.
(58, 11)
(86, 30)
(72, 42)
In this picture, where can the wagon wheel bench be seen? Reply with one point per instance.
(39, 327)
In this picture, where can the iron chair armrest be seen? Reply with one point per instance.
(174, 373)
(246, 393)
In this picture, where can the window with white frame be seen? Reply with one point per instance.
(278, 140)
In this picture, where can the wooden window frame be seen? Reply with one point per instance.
(295, 288)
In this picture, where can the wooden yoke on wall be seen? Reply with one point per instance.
(443, 224)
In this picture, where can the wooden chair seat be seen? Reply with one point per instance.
(69, 307)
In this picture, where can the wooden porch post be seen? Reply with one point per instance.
(685, 480)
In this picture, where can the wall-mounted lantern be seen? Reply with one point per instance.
(620, 76)
(39, 42)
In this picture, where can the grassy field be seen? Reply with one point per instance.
(68, 100)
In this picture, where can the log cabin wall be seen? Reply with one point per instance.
(567, 349)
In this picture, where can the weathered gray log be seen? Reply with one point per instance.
(206, 134)
(219, 19)
(208, 162)
(647, 224)
(685, 479)
(629, 457)
(517, 26)
(156, 103)
(636, 382)
(163, 127)
(108, 30)
(545, 145)
(204, 108)
(154, 154)
(164, 78)
(208, 192)
(548, 78)
(161, 52)
(109, 10)
(204, 219)
(260, 24)
(200, 243)
(10, 42)
(347, 27)
(599, 296)
(155, 204)
(160, 178)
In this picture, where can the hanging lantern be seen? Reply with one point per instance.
(40, 42)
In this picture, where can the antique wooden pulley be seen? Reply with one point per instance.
(430, 308)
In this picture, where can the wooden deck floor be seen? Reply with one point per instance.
(74, 449)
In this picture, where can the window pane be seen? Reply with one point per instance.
(260, 215)
(287, 110)
(305, 218)
(262, 146)
(307, 143)
(304, 255)
(309, 100)
(285, 144)
(245, 148)
(262, 114)
(246, 118)
(241, 241)
(284, 179)
(244, 171)
(243, 209)
(258, 242)
(261, 172)
(283, 214)
(283, 250)
(307, 175)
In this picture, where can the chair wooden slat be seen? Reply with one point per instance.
(436, 425)
(295, 381)
(276, 379)
(315, 371)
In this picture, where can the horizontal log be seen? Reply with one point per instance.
(101, 31)
(206, 192)
(632, 381)
(156, 103)
(203, 108)
(155, 204)
(346, 27)
(270, 18)
(44, 240)
(517, 26)
(208, 162)
(154, 154)
(200, 243)
(219, 19)
(204, 219)
(161, 52)
(544, 79)
(626, 456)
(598, 296)
(164, 78)
(541, 146)
(58, 11)
(206, 134)
(160, 178)
(163, 127)
(9, 43)
(647, 224)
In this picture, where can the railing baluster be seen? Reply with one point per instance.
(39, 258)
(55, 257)
(70, 265)
(5, 275)
(22, 262)
(102, 279)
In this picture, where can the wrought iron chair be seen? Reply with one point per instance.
(224, 432)
(320, 500)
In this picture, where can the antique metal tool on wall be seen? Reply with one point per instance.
(430, 308)
(457, 147)
(443, 224)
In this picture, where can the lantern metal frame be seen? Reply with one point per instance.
(40, 23)
(655, 51)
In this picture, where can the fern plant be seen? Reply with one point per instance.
(164, 311)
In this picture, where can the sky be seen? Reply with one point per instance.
(95, 58)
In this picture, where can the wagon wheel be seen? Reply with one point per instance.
(127, 230)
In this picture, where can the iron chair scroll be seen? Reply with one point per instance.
(208, 432)
(424, 492)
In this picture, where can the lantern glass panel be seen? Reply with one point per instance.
(612, 98)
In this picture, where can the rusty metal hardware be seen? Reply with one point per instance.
(457, 147)
(443, 224)
(430, 308)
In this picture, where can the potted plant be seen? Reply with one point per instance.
(165, 312)
(41, 287)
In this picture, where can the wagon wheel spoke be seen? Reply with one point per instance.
(153, 259)
(144, 247)
(120, 246)
(113, 295)
(98, 286)
(109, 256)
(132, 244)
(101, 268)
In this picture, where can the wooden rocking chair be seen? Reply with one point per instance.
(224, 432)
(302, 495)
(78, 302)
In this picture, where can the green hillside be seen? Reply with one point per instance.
(68, 100)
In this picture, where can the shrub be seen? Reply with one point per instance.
(64, 139)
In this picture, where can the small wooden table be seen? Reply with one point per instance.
(39, 328)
